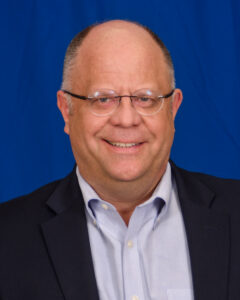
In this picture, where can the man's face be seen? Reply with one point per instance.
(123, 146)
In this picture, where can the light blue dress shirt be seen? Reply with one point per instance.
(146, 260)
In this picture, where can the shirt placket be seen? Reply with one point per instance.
(132, 273)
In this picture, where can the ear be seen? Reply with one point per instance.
(177, 100)
(63, 106)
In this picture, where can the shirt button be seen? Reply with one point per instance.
(135, 298)
(130, 244)
(94, 222)
(104, 206)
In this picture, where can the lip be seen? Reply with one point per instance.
(124, 146)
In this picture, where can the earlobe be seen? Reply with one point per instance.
(177, 100)
(64, 109)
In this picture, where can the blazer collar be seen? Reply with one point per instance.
(207, 235)
(66, 237)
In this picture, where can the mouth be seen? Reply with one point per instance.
(123, 145)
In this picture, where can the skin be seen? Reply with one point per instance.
(125, 59)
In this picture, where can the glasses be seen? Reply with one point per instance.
(105, 102)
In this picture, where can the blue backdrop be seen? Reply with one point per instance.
(203, 38)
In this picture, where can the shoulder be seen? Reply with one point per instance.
(31, 208)
(26, 208)
(216, 184)
(224, 193)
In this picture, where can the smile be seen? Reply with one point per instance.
(123, 145)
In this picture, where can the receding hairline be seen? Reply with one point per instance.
(78, 39)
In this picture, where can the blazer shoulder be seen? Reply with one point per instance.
(26, 207)
(226, 191)
(217, 184)
(31, 206)
(41, 193)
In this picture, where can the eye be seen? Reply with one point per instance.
(144, 101)
(104, 99)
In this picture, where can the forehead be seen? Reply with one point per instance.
(119, 56)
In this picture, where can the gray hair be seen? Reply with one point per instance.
(70, 55)
(76, 42)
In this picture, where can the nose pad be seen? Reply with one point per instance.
(129, 98)
(127, 104)
(125, 115)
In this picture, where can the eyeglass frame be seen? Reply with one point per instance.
(120, 99)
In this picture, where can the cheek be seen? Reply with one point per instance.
(163, 131)
(162, 122)
(84, 129)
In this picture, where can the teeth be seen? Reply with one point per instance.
(123, 145)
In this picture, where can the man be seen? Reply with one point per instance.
(126, 223)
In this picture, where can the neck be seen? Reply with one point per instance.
(125, 196)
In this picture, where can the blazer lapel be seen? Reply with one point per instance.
(66, 237)
(207, 235)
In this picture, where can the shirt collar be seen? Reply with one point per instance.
(159, 199)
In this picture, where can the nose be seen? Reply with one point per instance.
(125, 115)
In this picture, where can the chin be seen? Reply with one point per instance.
(127, 174)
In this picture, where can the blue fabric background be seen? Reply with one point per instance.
(203, 38)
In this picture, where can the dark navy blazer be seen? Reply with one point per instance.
(45, 252)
